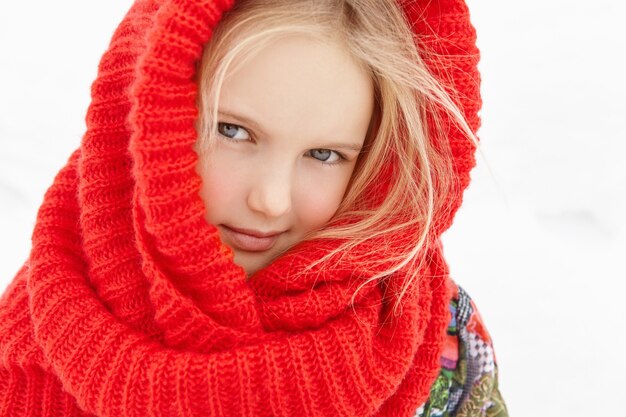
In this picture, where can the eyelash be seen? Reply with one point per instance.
(342, 157)
(222, 124)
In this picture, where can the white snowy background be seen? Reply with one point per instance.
(540, 242)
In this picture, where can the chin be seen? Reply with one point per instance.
(251, 263)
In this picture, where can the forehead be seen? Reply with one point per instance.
(301, 84)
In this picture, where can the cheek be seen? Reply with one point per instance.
(317, 201)
(219, 191)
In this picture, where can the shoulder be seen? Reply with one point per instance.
(467, 384)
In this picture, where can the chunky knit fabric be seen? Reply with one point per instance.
(130, 305)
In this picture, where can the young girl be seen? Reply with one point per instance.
(251, 224)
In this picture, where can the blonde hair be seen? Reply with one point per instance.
(379, 38)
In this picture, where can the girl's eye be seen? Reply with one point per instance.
(325, 155)
(233, 132)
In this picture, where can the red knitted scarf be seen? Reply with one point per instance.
(129, 304)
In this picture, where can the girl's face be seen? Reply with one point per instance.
(292, 121)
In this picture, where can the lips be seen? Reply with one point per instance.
(250, 240)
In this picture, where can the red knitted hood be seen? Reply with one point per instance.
(131, 306)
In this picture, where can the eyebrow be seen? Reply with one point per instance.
(345, 146)
(251, 122)
(242, 119)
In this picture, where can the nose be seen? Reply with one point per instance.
(270, 193)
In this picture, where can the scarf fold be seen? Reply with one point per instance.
(129, 303)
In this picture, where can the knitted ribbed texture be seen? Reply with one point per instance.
(129, 304)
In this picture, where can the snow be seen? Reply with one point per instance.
(540, 242)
